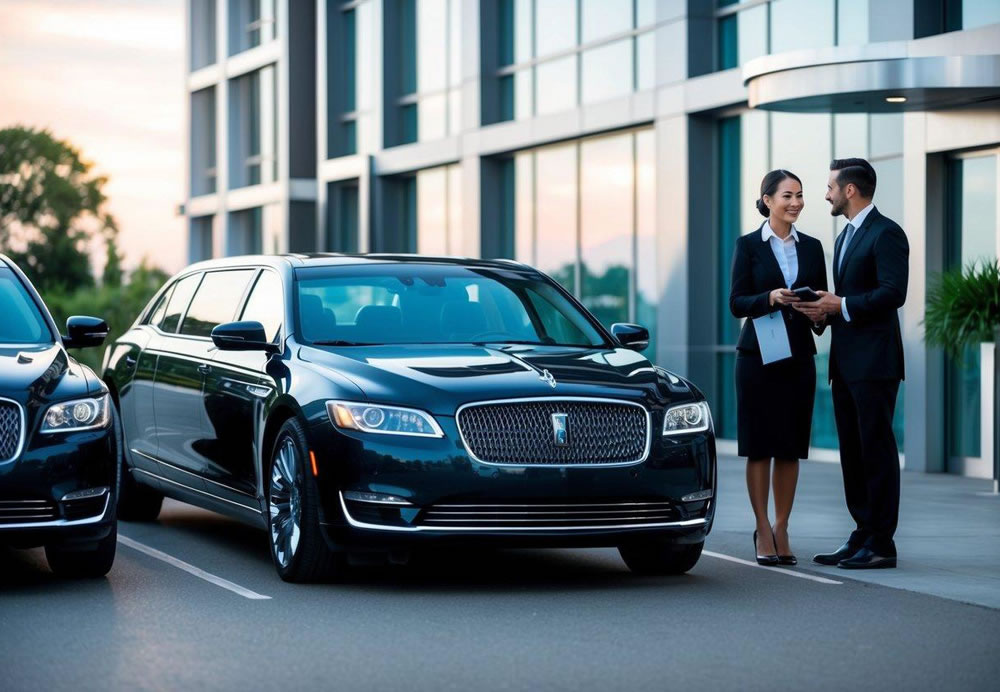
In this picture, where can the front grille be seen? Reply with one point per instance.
(10, 429)
(523, 432)
(503, 516)
(25, 511)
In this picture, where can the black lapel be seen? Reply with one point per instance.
(769, 259)
(857, 239)
(798, 258)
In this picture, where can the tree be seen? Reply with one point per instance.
(51, 205)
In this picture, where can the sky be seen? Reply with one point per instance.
(107, 75)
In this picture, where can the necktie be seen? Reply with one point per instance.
(843, 248)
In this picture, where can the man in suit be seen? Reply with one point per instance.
(870, 273)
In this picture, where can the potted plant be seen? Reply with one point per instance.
(963, 308)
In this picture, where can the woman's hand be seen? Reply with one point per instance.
(782, 296)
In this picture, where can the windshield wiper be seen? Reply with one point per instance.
(341, 342)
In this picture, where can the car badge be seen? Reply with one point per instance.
(560, 428)
(548, 377)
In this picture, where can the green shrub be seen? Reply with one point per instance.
(963, 307)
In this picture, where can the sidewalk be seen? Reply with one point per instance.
(948, 538)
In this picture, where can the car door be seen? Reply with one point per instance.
(236, 391)
(179, 392)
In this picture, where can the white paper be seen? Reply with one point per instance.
(772, 337)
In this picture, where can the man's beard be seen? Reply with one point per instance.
(838, 208)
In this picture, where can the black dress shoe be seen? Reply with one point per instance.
(763, 560)
(866, 558)
(842, 553)
(788, 560)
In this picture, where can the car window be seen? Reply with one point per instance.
(266, 304)
(22, 321)
(179, 299)
(216, 301)
(395, 304)
(161, 308)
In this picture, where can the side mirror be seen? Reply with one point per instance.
(242, 336)
(82, 332)
(631, 336)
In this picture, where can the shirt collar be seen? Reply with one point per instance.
(767, 232)
(860, 217)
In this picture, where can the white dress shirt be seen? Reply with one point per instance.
(784, 252)
(858, 219)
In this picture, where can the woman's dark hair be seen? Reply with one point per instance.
(769, 185)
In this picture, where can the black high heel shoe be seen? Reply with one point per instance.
(785, 560)
(763, 560)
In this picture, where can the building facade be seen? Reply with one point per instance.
(616, 144)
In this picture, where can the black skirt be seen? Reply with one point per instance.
(774, 406)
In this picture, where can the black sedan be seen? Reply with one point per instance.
(59, 450)
(363, 406)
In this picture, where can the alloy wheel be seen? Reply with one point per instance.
(286, 503)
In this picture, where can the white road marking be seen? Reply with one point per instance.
(191, 569)
(777, 570)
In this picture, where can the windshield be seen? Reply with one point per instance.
(22, 321)
(437, 304)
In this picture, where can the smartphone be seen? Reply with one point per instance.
(806, 294)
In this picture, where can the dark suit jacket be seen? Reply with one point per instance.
(872, 280)
(756, 273)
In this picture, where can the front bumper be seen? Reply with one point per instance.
(553, 506)
(62, 489)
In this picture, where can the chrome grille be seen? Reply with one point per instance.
(519, 432)
(23, 511)
(549, 515)
(10, 429)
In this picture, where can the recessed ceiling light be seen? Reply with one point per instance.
(895, 99)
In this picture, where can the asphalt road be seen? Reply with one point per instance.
(512, 620)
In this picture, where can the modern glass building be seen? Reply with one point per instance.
(616, 144)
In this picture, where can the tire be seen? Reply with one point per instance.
(298, 548)
(90, 563)
(659, 557)
(136, 502)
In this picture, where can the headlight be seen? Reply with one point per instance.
(79, 414)
(687, 418)
(387, 420)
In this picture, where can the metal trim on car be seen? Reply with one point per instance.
(686, 523)
(24, 430)
(196, 490)
(57, 523)
(596, 464)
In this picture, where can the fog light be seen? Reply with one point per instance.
(84, 494)
(700, 495)
(374, 498)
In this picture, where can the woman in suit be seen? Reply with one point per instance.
(774, 402)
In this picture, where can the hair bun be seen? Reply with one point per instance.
(762, 208)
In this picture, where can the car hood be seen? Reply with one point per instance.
(440, 378)
(43, 372)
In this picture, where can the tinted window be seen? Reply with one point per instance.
(266, 304)
(179, 299)
(216, 301)
(436, 304)
(22, 321)
(161, 308)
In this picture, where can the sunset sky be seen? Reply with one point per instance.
(107, 75)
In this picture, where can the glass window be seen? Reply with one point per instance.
(431, 117)
(515, 31)
(23, 322)
(801, 24)
(246, 232)
(432, 193)
(556, 89)
(432, 35)
(179, 299)
(455, 231)
(604, 17)
(524, 208)
(852, 22)
(202, 18)
(646, 293)
(556, 213)
(606, 227)
(752, 27)
(431, 67)
(645, 12)
(342, 217)
(266, 304)
(645, 55)
(556, 20)
(251, 23)
(202, 142)
(431, 303)
(603, 69)
(200, 239)
(252, 133)
(161, 308)
(215, 301)
(515, 95)
(731, 225)
(976, 13)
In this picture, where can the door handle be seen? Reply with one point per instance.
(204, 368)
(130, 361)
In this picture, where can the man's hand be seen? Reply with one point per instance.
(817, 311)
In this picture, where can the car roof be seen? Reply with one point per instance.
(333, 259)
